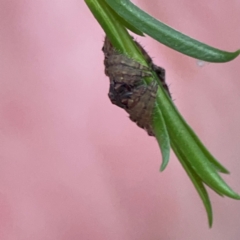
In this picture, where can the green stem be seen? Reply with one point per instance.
(115, 31)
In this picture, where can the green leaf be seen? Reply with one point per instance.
(218, 166)
(129, 26)
(195, 155)
(161, 135)
(196, 180)
(167, 35)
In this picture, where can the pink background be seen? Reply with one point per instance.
(72, 166)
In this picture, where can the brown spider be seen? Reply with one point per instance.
(127, 88)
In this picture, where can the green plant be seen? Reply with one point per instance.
(171, 131)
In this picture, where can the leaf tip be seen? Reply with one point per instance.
(210, 222)
(236, 196)
(164, 164)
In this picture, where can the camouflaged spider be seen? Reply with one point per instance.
(127, 88)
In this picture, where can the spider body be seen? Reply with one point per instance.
(127, 88)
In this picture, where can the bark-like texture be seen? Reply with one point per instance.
(127, 88)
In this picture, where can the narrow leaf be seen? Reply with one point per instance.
(195, 156)
(218, 166)
(196, 180)
(128, 25)
(167, 35)
(162, 137)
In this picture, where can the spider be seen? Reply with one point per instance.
(127, 88)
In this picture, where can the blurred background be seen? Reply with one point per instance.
(72, 165)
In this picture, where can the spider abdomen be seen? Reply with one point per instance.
(127, 86)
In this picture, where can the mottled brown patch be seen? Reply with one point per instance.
(127, 88)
